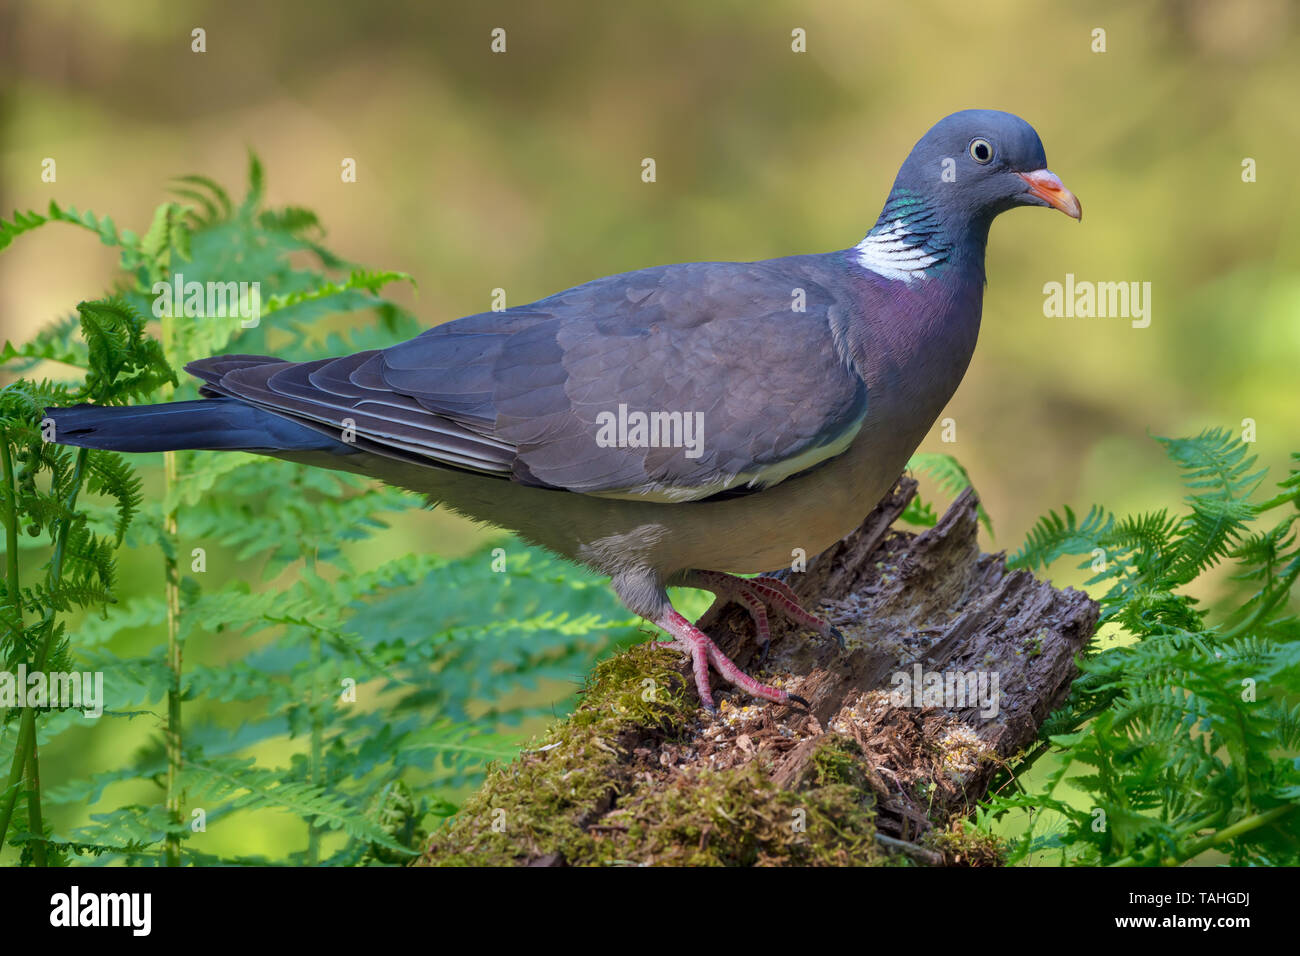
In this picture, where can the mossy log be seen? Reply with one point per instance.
(875, 772)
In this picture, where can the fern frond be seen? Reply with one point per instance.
(920, 513)
(291, 219)
(1055, 535)
(169, 230)
(109, 474)
(215, 196)
(1210, 533)
(124, 361)
(951, 476)
(248, 788)
(1215, 459)
(370, 282)
(56, 342)
(21, 223)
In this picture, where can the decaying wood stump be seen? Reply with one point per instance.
(953, 662)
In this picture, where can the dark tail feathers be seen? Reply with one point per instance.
(218, 424)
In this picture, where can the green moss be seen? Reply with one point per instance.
(738, 817)
(580, 794)
(540, 804)
(963, 845)
(640, 689)
(838, 760)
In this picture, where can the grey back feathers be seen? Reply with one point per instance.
(746, 349)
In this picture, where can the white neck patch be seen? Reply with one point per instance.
(895, 253)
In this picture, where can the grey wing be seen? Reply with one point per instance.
(668, 384)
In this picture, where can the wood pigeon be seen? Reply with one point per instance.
(679, 425)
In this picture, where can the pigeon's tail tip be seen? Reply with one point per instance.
(216, 424)
(136, 428)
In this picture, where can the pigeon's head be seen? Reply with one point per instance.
(975, 164)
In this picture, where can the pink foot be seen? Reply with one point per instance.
(757, 594)
(691, 640)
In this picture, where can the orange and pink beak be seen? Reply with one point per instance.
(1044, 184)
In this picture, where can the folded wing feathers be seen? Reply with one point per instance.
(518, 393)
(389, 420)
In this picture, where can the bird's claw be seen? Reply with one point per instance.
(835, 632)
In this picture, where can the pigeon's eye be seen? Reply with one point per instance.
(981, 150)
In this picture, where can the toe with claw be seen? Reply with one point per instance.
(758, 596)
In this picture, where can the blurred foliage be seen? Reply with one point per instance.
(1188, 733)
(369, 676)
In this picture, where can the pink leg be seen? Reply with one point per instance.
(787, 602)
(690, 639)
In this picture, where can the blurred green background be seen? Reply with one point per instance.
(522, 171)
